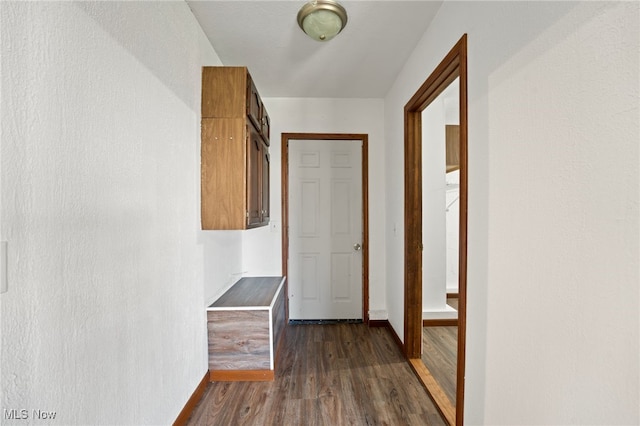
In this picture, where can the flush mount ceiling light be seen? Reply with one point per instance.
(322, 20)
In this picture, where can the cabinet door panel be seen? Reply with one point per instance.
(254, 104)
(265, 184)
(254, 176)
(222, 186)
(222, 92)
(266, 125)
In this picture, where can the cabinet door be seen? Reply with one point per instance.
(254, 104)
(265, 184)
(266, 125)
(254, 177)
(223, 173)
(223, 94)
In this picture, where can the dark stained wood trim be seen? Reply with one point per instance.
(241, 375)
(444, 74)
(413, 234)
(365, 228)
(464, 203)
(439, 322)
(285, 138)
(394, 335)
(184, 415)
(379, 323)
(453, 295)
(452, 66)
(284, 173)
(436, 393)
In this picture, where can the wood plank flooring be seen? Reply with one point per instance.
(335, 374)
(440, 354)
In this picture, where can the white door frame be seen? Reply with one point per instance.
(286, 137)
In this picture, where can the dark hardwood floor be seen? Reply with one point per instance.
(440, 354)
(337, 374)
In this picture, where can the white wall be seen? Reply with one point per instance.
(434, 225)
(104, 321)
(452, 116)
(553, 274)
(100, 197)
(453, 230)
(262, 247)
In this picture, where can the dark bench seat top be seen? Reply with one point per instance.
(249, 292)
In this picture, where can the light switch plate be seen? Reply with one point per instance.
(3, 267)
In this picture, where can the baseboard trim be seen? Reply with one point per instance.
(395, 336)
(439, 322)
(192, 402)
(241, 375)
(453, 295)
(379, 323)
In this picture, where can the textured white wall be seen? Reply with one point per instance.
(104, 320)
(554, 232)
(453, 231)
(262, 247)
(434, 224)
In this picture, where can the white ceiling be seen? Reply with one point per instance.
(360, 62)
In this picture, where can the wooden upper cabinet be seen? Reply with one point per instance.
(452, 137)
(229, 92)
(223, 94)
(234, 151)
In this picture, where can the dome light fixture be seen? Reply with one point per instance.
(322, 20)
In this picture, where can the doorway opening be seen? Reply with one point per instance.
(452, 67)
(361, 246)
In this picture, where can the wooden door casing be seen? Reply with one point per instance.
(453, 66)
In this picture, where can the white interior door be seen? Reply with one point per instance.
(325, 229)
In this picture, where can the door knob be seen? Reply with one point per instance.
(357, 247)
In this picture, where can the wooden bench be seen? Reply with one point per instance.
(245, 326)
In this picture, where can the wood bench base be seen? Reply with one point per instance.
(245, 326)
(241, 376)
